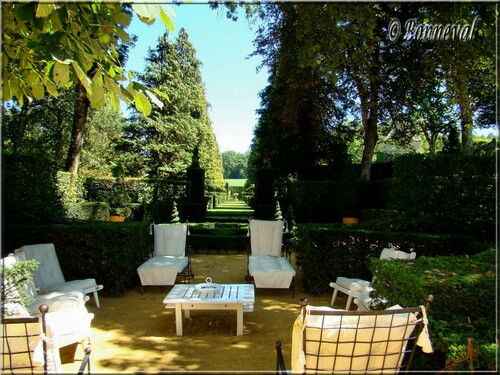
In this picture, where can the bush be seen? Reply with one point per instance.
(330, 250)
(98, 211)
(445, 193)
(464, 306)
(107, 252)
(30, 192)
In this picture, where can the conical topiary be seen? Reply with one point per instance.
(174, 216)
(277, 212)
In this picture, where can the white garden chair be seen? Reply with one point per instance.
(266, 263)
(49, 277)
(355, 288)
(171, 256)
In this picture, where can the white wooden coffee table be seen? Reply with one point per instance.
(185, 297)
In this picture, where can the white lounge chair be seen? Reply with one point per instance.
(49, 277)
(326, 340)
(169, 259)
(266, 263)
(32, 343)
(354, 287)
(66, 322)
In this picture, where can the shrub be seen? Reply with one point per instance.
(31, 194)
(330, 250)
(91, 211)
(445, 193)
(464, 288)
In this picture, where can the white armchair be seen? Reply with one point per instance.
(171, 256)
(49, 277)
(355, 288)
(23, 335)
(266, 264)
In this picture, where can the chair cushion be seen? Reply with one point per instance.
(271, 272)
(57, 301)
(161, 270)
(266, 237)
(170, 240)
(48, 273)
(390, 253)
(355, 285)
(338, 344)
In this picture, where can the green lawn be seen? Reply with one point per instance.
(236, 181)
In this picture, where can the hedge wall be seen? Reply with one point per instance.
(330, 250)
(29, 187)
(445, 193)
(108, 252)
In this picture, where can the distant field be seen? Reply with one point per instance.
(236, 182)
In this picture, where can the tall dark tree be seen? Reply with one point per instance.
(164, 141)
(299, 124)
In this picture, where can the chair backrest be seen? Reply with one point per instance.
(49, 273)
(266, 237)
(365, 341)
(170, 239)
(390, 253)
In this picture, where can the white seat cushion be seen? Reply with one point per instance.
(355, 285)
(271, 272)
(161, 270)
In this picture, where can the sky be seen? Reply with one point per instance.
(231, 81)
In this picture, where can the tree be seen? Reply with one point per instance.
(300, 120)
(166, 139)
(234, 164)
(49, 46)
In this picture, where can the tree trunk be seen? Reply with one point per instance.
(79, 121)
(370, 120)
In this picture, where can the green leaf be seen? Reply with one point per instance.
(166, 20)
(44, 9)
(7, 92)
(37, 89)
(61, 74)
(123, 19)
(147, 13)
(161, 93)
(154, 99)
(142, 103)
(82, 77)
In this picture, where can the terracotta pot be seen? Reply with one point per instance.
(350, 220)
(116, 219)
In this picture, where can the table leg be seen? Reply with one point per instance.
(178, 319)
(239, 320)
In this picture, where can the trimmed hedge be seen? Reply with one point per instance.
(445, 193)
(108, 252)
(29, 187)
(91, 211)
(464, 290)
(326, 251)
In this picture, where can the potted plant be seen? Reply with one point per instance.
(119, 202)
(15, 278)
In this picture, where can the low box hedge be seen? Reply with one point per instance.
(464, 306)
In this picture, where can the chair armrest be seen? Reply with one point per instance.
(280, 362)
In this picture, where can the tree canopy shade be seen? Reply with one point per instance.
(50, 46)
(387, 84)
